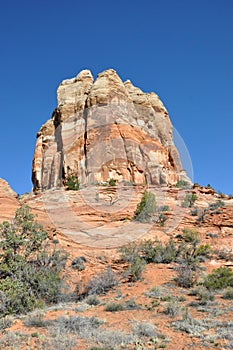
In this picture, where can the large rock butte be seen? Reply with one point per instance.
(106, 129)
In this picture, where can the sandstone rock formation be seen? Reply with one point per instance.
(105, 129)
(8, 201)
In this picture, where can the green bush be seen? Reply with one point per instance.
(130, 253)
(194, 211)
(182, 184)
(113, 307)
(112, 182)
(146, 208)
(173, 308)
(187, 254)
(102, 282)
(161, 219)
(155, 251)
(186, 276)
(92, 300)
(36, 319)
(216, 205)
(145, 329)
(203, 250)
(136, 269)
(72, 183)
(30, 273)
(203, 294)
(202, 216)
(189, 200)
(78, 263)
(191, 236)
(163, 208)
(220, 278)
(228, 293)
(6, 322)
(150, 251)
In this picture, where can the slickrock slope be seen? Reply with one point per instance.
(8, 201)
(105, 129)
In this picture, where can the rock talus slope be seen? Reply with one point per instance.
(103, 129)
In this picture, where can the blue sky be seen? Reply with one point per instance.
(182, 50)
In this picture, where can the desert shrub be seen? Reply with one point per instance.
(182, 184)
(189, 200)
(220, 278)
(92, 300)
(101, 348)
(131, 254)
(113, 307)
(102, 282)
(150, 251)
(186, 276)
(216, 205)
(129, 251)
(191, 252)
(111, 339)
(163, 208)
(203, 250)
(145, 329)
(190, 325)
(162, 219)
(36, 319)
(194, 211)
(60, 342)
(112, 182)
(202, 216)
(30, 272)
(78, 325)
(72, 183)
(147, 251)
(188, 264)
(191, 236)
(188, 253)
(157, 292)
(131, 305)
(225, 254)
(6, 322)
(78, 263)
(146, 208)
(155, 251)
(204, 295)
(228, 293)
(136, 269)
(173, 309)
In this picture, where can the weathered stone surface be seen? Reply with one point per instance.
(105, 129)
(8, 201)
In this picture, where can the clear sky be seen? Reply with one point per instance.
(181, 49)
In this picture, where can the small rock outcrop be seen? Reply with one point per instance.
(8, 201)
(103, 129)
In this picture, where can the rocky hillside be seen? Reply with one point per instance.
(162, 290)
(105, 129)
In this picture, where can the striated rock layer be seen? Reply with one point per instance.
(106, 129)
(8, 202)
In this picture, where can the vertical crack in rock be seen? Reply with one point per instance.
(85, 139)
(58, 139)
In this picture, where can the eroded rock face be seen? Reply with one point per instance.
(8, 202)
(105, 129)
